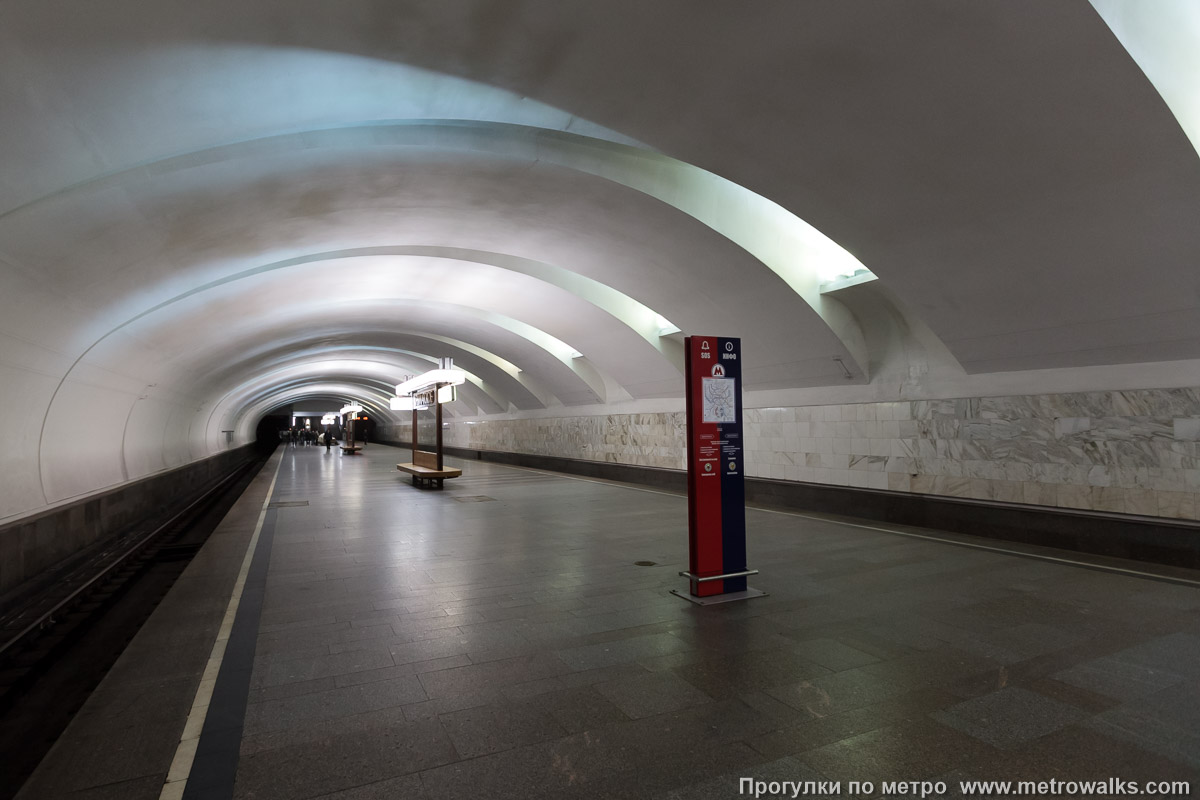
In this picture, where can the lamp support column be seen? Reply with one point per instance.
(438, 424)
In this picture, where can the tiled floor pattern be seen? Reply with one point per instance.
(413, 646)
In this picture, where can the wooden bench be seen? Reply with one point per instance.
(351, 449)
(424, 471)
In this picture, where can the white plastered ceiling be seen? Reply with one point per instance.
(209, 210)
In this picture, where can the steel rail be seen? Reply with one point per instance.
(41, 622)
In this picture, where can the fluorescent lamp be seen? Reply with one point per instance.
(454, 377)
(351, 408)
(403, 403)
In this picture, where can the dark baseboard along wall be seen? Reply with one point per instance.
(31, 545)
(1151, 539)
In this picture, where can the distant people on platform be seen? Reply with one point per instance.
(303, 437)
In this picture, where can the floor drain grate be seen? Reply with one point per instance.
(289, 504)
(645, 564)
(473, 498)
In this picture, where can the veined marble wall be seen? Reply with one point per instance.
(1136, 452)
(647, 440)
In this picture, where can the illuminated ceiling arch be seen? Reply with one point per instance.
(401, 359)
(376, 375)
(794, 250)
(154, 151)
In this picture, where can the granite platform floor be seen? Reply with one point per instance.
(497, 639)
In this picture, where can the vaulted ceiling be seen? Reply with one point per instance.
(208, 210)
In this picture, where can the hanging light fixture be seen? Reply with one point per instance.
(446, 373)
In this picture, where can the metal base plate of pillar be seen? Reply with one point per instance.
(729, 597)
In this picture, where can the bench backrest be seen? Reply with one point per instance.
(424, 459)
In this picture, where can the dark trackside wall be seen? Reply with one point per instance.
(31, 545)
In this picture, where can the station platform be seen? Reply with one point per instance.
(513, 636)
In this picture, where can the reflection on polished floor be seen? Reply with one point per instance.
(511, 647)
(496, 639)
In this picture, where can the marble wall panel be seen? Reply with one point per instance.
(1135, 452)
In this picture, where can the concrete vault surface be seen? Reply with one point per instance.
(212, 210)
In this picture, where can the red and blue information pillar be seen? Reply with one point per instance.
(716, 464)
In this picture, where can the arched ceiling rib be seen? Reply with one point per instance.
(371, 392)
(1163, 38)
(504, 383)
(404, 360)
(185, 188)
(796, 252)
(943, 141)
(373, 373)
(372, 399)
(218, 226)
(642, 319)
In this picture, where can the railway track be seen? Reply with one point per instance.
(58, 643)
